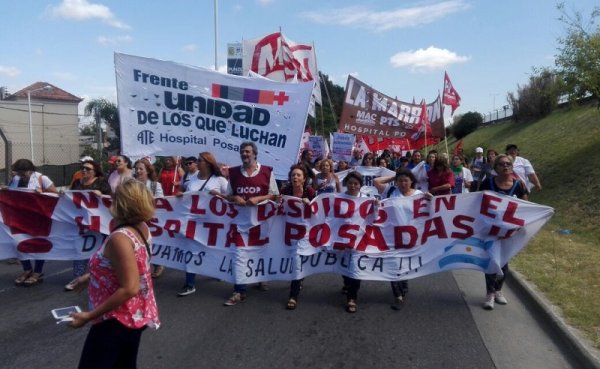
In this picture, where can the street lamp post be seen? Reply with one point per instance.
(45, 88)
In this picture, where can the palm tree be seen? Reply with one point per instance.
(109, 114)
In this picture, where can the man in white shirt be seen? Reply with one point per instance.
(523, 168)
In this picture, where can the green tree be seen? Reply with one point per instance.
(327, 119)
(467, 123)
(578, 61)
(109, 114)
(537, 98)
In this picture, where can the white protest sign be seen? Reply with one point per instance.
(168, 108)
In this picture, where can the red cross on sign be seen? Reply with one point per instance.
(281, 98)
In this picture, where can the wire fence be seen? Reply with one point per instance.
(57, 161)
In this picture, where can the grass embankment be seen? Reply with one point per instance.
(564, 149)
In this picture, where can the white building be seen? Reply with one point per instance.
(54, 123)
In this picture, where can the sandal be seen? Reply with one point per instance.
(33, 279)
(20, 279)
(158, 271)
(351, 306)
(291, 305)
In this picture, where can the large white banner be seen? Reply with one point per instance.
(168, 108)
(358, 237)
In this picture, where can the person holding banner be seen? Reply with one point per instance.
(119, 284)
(27, 177)
(401, 185)
(353, 182)
(249, 184)
(210, 180)
(326, 180)
(145, 173)
(92, 179)
(440, 177)
(123, 170)
(504, 183)
(170, 176)
(298, 188)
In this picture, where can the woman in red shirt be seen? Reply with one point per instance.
(170, 176)
(440, 177)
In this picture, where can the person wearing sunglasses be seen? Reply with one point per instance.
(123, 170)
(27, 177)
(210, 180)
(504, 183)
(92, 179)
(190, 166)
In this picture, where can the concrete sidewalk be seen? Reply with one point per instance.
(528, 332)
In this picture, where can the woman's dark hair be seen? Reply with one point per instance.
(127, 160)
(368, 155)
(23, 165)
(406, 173)
(305, 154)
(97, 167)
(354, 174)
(299, 167)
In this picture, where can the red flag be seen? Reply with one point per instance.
(423, 125)
(458, 147)
(451, 97)
(424, 118)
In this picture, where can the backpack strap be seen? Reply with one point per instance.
(492, 184)
(514, 187)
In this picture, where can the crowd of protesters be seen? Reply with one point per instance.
(416, 174)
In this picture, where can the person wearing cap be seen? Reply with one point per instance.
(523, 168)
(476, 167)
(190, 166)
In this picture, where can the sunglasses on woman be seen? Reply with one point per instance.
(86, 169)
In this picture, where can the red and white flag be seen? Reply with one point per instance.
(278, 58)
(451, 97)
(423, 128)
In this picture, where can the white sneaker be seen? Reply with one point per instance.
(489, 301)
(71, 285)
(499, 298)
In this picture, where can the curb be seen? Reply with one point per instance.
(572, 341)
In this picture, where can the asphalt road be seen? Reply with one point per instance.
(441, 326)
